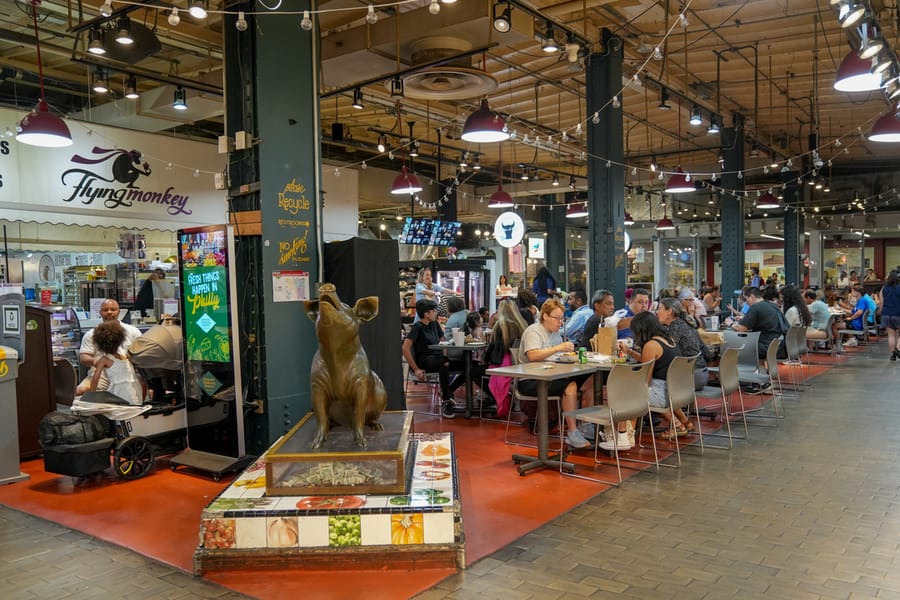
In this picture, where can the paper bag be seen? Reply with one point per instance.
(604, 341)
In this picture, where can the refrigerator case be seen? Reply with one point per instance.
(468, 278)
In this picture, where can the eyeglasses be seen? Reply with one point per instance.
(555, 318)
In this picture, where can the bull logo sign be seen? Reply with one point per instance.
(509, 229)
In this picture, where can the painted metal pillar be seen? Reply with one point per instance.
(793, 230)
(556, 239)
(732, 139)
(276, 103)
(606, 184)
(816, 254)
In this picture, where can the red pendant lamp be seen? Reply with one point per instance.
(679, 183)
(40, 127)
(405, 183)
(574, 211)
(855, 75)
(886, 129)
(485, 126)
(500, 198)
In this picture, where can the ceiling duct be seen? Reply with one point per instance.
(455, 80)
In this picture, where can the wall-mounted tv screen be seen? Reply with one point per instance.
(429, 232)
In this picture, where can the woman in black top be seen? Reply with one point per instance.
(671, 314)
(421, 359)
(656, 345)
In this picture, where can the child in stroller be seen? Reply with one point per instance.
(122, 379)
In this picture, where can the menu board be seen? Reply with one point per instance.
(204, 279)
(429, 232)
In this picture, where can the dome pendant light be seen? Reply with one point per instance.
(665, 224)
(629, 220)
(40, 127)
(679, 183)
(577, 210)
(95, 43)
(886, 129)
(855, 75)
(500, 198)
(484, 126)
(768, 201)
(123, 35)
(405, 183)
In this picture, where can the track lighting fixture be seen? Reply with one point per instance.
(100, 82)
(476, 166)
(95, 42)
(123, 32)
(850, 13)
(548, 44)
(502, 17)
(180, 101)
(664, 99)
(653, 164)
(396, 87)
(713, 125)
(464, 160)
(572, 183)
(198, 9)
(774, 163)
(106, 8)
(555, 181)
(306, 22)
(357, 99)
(870, 42)
(524, 176)
(696, 116)
(720, 158)
(131, 88)
(754, 150)
(414, 149)
(382, 143)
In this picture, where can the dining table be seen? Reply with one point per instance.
(544, 372)
(467, 349)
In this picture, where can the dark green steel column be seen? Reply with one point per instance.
(793, 229)
(274, 97)
(556, 239)
(606, 185)
(732, 209)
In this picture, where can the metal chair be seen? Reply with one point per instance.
(680, 388)
(433, 385)
(795, 344)
(518, 398)
(729, 383)
(628, 397)
(828, 339)
(748, 342)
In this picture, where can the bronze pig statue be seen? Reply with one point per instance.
(343, 387)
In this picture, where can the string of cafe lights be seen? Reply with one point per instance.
(534, 140)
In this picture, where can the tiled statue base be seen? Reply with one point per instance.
(244, 528)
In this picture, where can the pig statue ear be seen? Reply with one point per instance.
(366, 308)
(312, 309)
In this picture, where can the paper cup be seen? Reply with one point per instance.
(459, 338)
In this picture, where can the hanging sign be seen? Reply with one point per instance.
(509, 229)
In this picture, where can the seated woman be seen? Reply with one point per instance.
(541, 341)
(656, 345)
(795, 310)
(508, 329)
(671, 315)
(474, 329)
(115, 367)
(421, 359)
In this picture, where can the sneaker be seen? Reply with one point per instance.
(852, 342)
(588, 430)
(575, 439)
(448, 409)
(622, 442)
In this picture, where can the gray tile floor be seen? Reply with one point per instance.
(808, 510)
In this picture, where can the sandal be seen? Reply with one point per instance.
(688, 427)
(673, 432)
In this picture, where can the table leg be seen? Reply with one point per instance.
(468, 374)
(544, 460)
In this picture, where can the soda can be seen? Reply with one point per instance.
(582, 356)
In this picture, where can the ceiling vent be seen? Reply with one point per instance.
(454, 80)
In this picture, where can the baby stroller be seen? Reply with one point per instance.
(79, 443)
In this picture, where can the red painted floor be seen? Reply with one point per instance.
(158, 516)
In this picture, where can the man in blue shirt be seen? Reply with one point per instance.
(581, 312)
(865, 309)
(820, 314)
(640, 302)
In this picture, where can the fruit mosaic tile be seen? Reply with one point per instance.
(242, 518)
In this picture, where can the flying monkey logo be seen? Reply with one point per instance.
(127, 167)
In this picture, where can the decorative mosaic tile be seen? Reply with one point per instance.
(313, 531)
(282, 532)
(438, 528)
(375, 529)
(250, 532)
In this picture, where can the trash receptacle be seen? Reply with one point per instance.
(9, 420)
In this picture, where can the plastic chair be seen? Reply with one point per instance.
(748, 342)
(729, 380)
(65, 380)
(828, 339)
(680, 388)
(769, 377)
(795, 344)
(628, 397)
(860, 334)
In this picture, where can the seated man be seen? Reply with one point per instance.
(603, 305)
(820, 314)
(638, 303)
(864, 308)
(581, 313)
(764, 317)
(421, 359)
